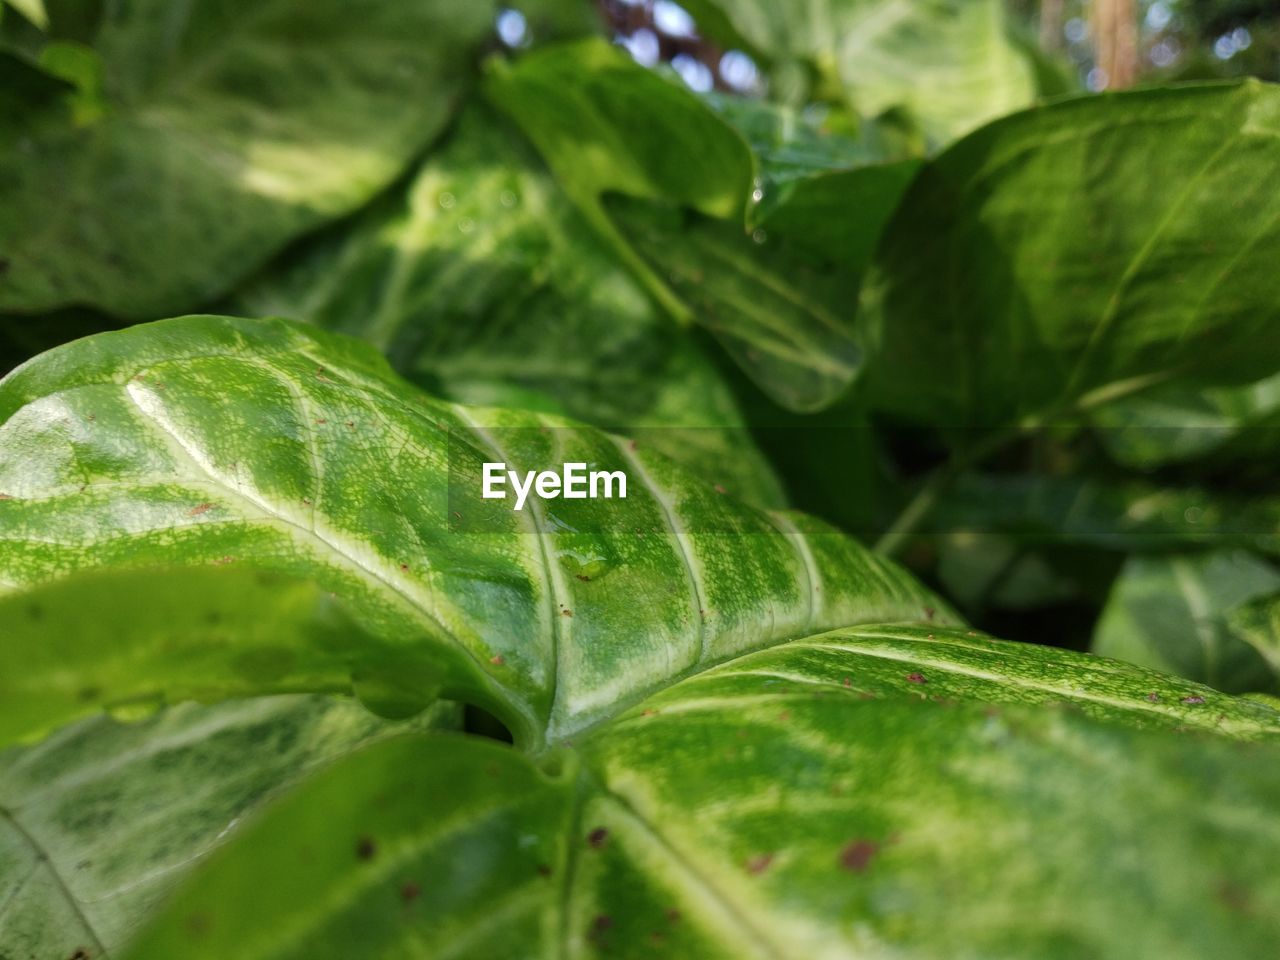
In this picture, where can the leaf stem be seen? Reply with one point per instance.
(920, 506)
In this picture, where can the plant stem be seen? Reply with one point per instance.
(923, 502)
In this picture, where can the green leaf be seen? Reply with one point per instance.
(1174, 614)
(781, 315)
(481, 282)
(951, 63)
(808, 801)
(33, 10)
(227, 129)
(213, 441)
(1077, 253)
(579, 104)
(1115, 513)
(606, 125)
(1257, 621)
(1233, 427)
(99, 822)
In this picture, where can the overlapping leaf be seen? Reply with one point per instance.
(1176, 614)
(950, 63)
(211, 441)
(482, 282)
(604, 125)
(1081, 252)
(221, 131)
(812, 800)
(100, 821)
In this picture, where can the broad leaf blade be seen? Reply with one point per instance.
(780, 313)
(99, 822)
(482, 283)
(1076, 253)
(1174, 614)
(607, 126)
(843, 811)
(213, 441)
(226, 131)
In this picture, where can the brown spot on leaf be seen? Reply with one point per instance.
(1233, 896)
(583, 577)
(599, 927)
(80, 954)
(366, 849)
(198, 924)
(199, 509)
(929, 612)
(404, 567)
(916, 678)
(321, 420)
(410, 891)
(784, 716)
(720, 489)
(5, 496)
(566, 613)
(223, 561)
(673, 915)
(544, 870)
(1153, 697)
(858, 854)
(597, 838)
(848, 682)
(1193, 699)
(497, 660)
(320, 375)
(759, 864)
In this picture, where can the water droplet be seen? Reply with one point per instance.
(508, 199)
(757, 194)
(759, 236)
(584, 566)
(466, 224)
(1192, 514)
(447, 200)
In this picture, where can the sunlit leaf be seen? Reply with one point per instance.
(1081, 252)
(808, 801)
(483, 283)
(209, 441)
(951, 63)
(227, 129)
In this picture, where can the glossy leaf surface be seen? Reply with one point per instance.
(605, 125)
(840, 811)
(221, 131)
(481, 282)
(212, 441)
(1080, 252)
(100, 821)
